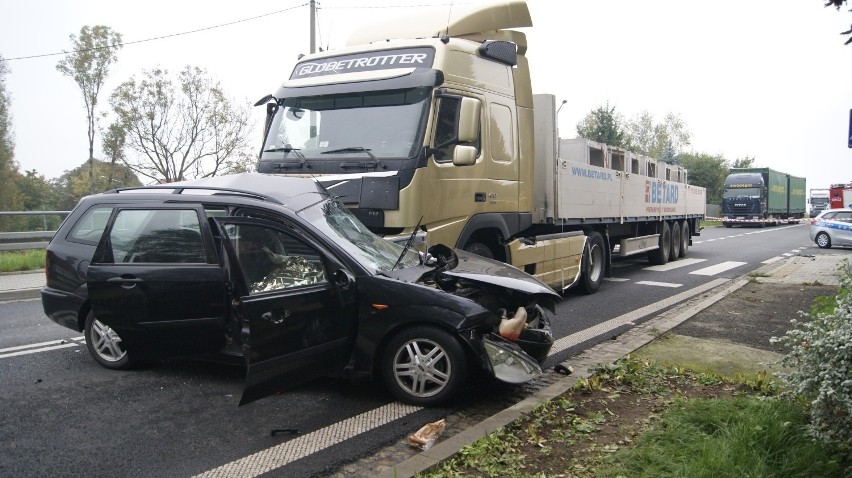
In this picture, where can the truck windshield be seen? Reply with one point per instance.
(373, 252)
(387, 124)
(741, 192)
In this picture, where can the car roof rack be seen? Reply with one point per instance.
(218, 191)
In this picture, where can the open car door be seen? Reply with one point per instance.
(157, 282)
(297, 304)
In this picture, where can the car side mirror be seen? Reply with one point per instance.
(343, 279)
(464, 155)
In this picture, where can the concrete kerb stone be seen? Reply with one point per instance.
(610, 352)
(21, 285)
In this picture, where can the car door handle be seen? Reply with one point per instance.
(126, 282)
(275, 318)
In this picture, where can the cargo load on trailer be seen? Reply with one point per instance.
(761, 197)
(427, 127)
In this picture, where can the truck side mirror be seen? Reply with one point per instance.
(469, 120)
(464, 155)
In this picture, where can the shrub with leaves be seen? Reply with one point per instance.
(820, 358)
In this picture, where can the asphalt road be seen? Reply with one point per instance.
(63, 415)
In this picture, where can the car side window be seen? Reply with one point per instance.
(91, 225)
(157, 236)
(844, 216)
(829, 215)
(271, 259)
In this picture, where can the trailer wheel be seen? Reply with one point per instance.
(660, 255)
(593, 264)
(684, 238)
(677, 241)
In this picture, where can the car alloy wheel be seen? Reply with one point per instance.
(105, 344)
(424, 366)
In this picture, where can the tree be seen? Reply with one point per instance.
(665, 140)
(746, 162)
(708, 172)
(179, 131)
(88, 62)
(837, 4)
(74, 184)
(9, 193)
(603, 125)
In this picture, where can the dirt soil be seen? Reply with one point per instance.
(731, 337)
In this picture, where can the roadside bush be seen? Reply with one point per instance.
(821, 361)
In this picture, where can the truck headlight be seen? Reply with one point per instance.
(510, 364)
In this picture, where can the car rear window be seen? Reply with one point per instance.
(91, 225)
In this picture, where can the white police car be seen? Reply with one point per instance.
(832, 227)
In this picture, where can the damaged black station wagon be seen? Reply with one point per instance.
(276, 272)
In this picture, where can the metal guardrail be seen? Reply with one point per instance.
(15, 241)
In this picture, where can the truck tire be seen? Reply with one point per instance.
(479, 248)
(677, 241)
(660, 255)
(593, 264)
(684, 238)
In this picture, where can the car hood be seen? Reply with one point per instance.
(460, 264)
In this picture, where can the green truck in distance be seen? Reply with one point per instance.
(761, 197)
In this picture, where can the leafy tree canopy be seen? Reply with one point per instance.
(707, 171)
(604, 125)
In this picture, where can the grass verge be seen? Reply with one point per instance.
(16, 261)
(640, 419)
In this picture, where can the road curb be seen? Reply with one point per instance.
(20, 294)
(605, 352)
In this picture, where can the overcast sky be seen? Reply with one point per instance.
(770, 80)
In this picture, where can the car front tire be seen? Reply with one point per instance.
(424, 366)
(105, 345)
(823, 241)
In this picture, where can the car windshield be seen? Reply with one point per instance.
(741, 192)
(378, 124)
(373, 252)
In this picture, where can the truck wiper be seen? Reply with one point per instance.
(352, 149)
(408, 243)
(285, 149)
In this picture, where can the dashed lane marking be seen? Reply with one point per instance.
(718, 268)
(772, 259)
(674, 265)
(659, 284)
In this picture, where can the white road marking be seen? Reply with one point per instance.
(674, 265)
(42, 349)
(31, 346)
(718, 268)
(787, 254)
(277, 456)
(659, 284)
(772, 259)
(612, 324)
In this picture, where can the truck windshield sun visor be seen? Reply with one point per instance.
(420, 77)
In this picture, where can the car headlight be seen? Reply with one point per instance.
(508, 364)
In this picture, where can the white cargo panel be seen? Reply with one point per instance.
(579, 179)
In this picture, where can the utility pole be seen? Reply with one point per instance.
(313, 26)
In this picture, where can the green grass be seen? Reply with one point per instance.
(744, 436)
(15, 261)
(711, 223)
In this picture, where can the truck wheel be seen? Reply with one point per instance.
(480, 249)
(684, 238)
(593, 264)
(660, 255)
(424, 366)
(677, 241)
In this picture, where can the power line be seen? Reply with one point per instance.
(158, 38)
